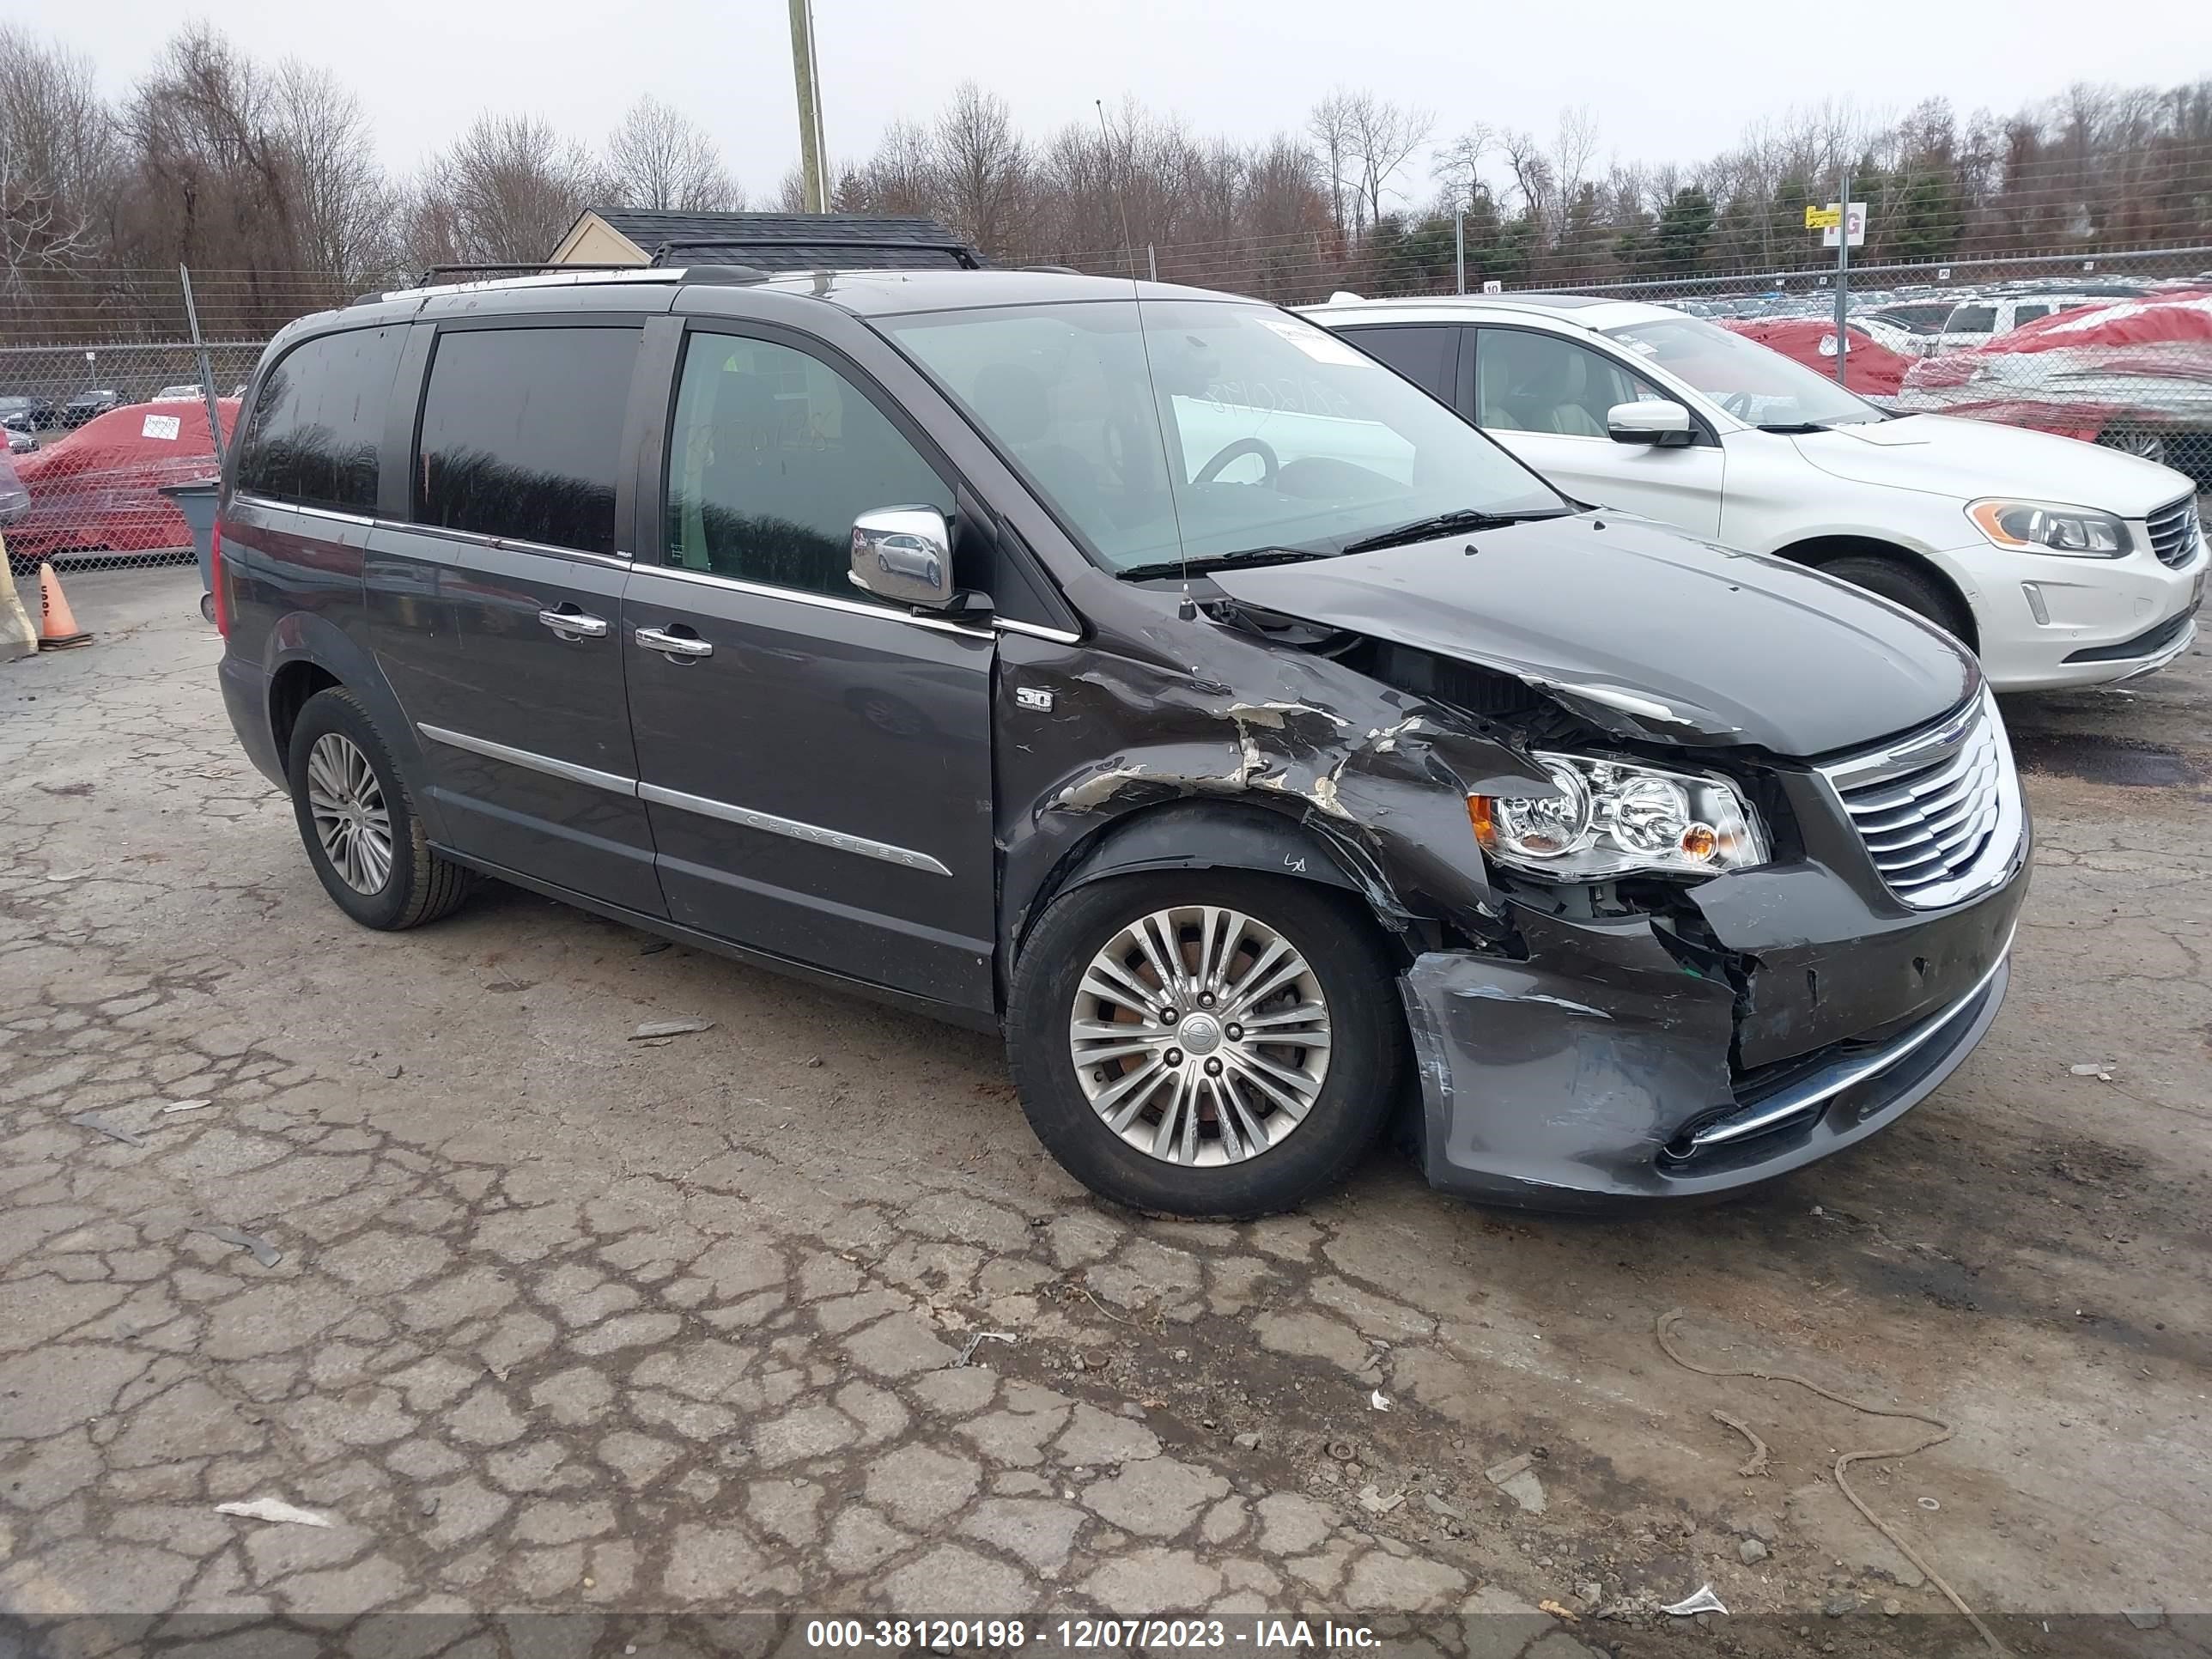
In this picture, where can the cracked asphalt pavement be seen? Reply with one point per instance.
(542, 1318)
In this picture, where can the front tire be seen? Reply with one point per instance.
(1899, 582)
(358, 822)
(1205, 1043)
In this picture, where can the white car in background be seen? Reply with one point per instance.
(1977, 321)
(2061, 563)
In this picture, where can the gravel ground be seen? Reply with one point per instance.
(542, 1318)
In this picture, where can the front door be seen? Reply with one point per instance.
(495, 613)
(1545, 399)
(815, 764)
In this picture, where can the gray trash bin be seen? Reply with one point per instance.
(197, 502)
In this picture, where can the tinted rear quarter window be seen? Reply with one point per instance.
(521, 434)
(1427, 355)
(318, 421)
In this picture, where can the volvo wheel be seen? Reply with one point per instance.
(1206, 1044)
(358, 822)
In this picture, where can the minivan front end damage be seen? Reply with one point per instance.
(1578, 1044)
(1606, 1067)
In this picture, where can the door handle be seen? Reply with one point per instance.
(674, 647)
(575, 625)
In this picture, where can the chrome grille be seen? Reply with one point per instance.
(2173, 532)
(1939, 811)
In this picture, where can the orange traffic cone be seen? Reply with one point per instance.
(57, 628)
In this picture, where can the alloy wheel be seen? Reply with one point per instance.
(351, 821)
(1201, 1035)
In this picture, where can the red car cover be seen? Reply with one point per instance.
(95, 490)
(1870, 369)
(2138, 363)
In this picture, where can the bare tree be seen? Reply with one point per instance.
(658, 157)
(509, 188)
(1385, 137)
(1458, 165)
(346, 209)
(902, 175)
(1333, 125)
(57, 160)
(984, 168)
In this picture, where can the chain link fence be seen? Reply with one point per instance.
(2114, 349)
(2110, 348)
(95, 432)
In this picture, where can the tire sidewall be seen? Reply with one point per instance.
(1901, 586)
(338, 711)
(1367, 1040)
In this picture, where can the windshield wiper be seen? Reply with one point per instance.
(1446, 524)
(1793, 428)
(1247, 557)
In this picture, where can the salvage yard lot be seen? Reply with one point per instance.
(561, 1319)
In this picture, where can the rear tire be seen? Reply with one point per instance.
(358, 822)
(1347, 1096)
(1899, 583)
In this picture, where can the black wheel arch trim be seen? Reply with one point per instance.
(302, 637)
(1214, 835)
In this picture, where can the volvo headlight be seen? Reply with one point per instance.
(1614, 818)
(2045, 527)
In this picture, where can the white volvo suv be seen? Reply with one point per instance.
(2060, 563)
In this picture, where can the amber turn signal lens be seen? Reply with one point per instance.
(1478, 814)
(1699, 841)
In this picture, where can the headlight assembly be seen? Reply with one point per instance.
(2074, 532)
(1616, 818)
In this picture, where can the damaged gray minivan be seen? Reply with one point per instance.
(1142, 672)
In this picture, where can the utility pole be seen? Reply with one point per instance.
(1459, 249)
(1844, 281)
(812, 187)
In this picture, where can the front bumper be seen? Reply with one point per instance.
(1606, 1067)
(2046, 623)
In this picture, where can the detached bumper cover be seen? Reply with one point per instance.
(1603, 1068)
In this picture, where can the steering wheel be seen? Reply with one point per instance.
(1237, 452)
(1738, 404)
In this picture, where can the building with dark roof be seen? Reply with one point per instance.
(771, 241)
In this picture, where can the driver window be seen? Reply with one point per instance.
(1530, 382)
(772, 456)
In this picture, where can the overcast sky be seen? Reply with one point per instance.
(1666, 82)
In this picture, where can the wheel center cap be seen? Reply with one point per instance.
(1200, 1034)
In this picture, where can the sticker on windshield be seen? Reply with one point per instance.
(1642, 348)
(1318, 343)
(160, 426)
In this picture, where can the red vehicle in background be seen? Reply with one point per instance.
(96, 491)
(2133, 375)
(1870, 369)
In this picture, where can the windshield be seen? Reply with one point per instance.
(1193, 430)
(1753, 382)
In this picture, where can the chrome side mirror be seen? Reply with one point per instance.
(904, 553)
(1649, 420)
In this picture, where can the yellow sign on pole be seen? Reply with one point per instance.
(1827, 218)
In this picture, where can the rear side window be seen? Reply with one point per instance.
(521, 434)
(1427, 355)
(319, 421)
(1972, 320)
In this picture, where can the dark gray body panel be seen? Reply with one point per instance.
(1722, 646)
(885, 801)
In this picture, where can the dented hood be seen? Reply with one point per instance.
(1643, 630)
